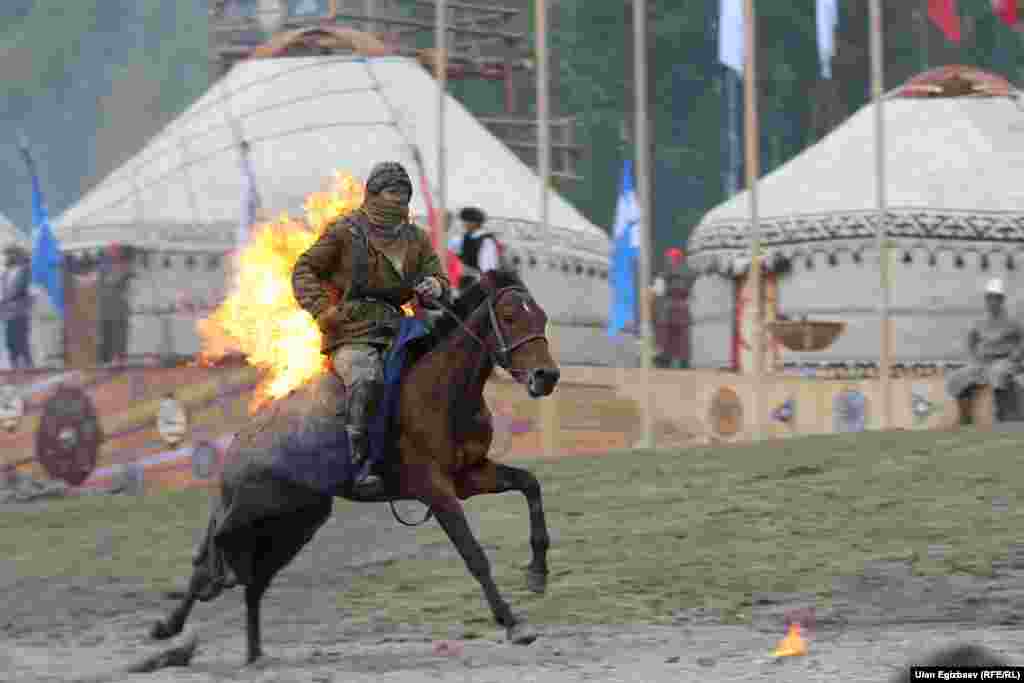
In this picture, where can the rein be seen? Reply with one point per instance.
(503, 354)
(398, 518)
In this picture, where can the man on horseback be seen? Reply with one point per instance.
(353, 281)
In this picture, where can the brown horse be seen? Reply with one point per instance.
(260, 522)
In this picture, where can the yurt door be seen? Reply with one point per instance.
(743, 328)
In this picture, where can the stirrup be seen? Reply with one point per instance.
(371, 484)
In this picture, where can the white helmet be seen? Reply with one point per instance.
(995, 286)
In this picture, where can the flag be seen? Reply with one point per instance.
(47, 261)
(828, 19)
(730, 34)
(434, 217)
(250, 200)
(1006, 10)
(626, 244)
(943, 14)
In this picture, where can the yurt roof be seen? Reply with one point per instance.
(9, 234)
(305, 118)
(954, 154)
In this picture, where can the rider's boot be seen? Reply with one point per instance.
(361, 398)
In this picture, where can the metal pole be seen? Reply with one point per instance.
(543, 117)
(753, 169)
(441, 41)
(877, 71)
(371, 24)
(644, 199)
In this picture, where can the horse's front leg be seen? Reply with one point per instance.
(452, 518)
(494, 478)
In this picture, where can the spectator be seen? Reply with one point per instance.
(672, 311)
(16, 306)
(476, 248)
(114, 305)
(995, 348)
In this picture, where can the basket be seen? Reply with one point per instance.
(806, 335)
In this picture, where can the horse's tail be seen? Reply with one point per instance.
(211, 575)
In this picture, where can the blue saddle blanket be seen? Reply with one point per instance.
(315, 452)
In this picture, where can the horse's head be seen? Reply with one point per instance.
(515, 327)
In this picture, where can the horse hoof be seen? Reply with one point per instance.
(537, 582)
(162, 631)
(521, 633)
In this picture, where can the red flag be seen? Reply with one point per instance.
(454, 264)
(944, 14)
(1006, 10)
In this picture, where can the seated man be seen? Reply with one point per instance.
(995, 348)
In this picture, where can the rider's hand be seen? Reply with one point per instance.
(429, 288)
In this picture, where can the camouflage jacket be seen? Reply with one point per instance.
(323, 274)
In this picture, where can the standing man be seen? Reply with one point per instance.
(16, 306)
(476, 248)
(672, 311)
(114, 304)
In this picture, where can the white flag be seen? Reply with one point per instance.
(730, 34)
(250, 201)
(828, 20)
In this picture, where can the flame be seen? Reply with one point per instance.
(793, 645)
(260, 317)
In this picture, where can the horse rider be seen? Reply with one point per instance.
(374, 260)
(995, 347)
(476, 248)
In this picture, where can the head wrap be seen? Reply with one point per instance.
(387, 174)
(386, 215)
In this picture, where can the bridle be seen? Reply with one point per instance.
(502, 354)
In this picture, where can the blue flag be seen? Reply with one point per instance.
(625, 247)
(47, 262)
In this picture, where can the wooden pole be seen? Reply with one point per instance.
(877, 74)
(543, 116)
(753, 170)
(441, 41)
(643, 192)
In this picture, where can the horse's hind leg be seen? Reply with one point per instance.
(175, 621)
(274, 545)
(452, 518)
(493, 478)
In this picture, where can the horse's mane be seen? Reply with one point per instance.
(473, 297)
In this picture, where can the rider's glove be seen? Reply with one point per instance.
(429, 288)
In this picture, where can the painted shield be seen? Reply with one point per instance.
(69, 436)
(726, 412)
(12, 407)
(172, 422)
(205, 458)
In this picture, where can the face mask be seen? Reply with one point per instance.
(385, 213)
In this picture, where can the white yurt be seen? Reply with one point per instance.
(178, 200)
(954, 156)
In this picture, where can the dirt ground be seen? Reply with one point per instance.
(88, 629)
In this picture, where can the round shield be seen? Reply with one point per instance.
(205, 457)
(172, 422)
(726, 412)
(12, 407)
(69, 436)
